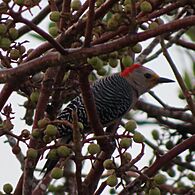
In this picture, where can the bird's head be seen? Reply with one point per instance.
(142, 78)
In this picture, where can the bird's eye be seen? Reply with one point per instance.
(148, 75)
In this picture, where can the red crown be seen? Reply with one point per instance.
(130, 69)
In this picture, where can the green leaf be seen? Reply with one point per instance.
(191, 33)
(36, 36)
(187, 80)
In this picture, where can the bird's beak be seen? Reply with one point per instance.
(164, 80)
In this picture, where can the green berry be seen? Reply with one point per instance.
(130, 126)
(22, 49)
(138, 137)
(76, 4)
(108, 164)
(113, 62)
(25, 133)
(14, 54)
(16, 149)
(52, 154)
(55, 16)
(63, 151)
(36, 133)
(126, 2)
(153, 25)
(112, 24)
(19, 2)
(34, 96)
(51, 130)
(127, 156)
(51, 188)
(160, 179)
(53, 31)
(5, 43)
(3, 29)
(42, 123)
(32, 153)
(47, 139)
(56, 173)
(81, 127)
(93, 149)
(169, 145)
(171, 172)
(125, 142)
(191, 176)
(102, 72)
(155, 134)
(96, 62)
(7, 188)
(127, 60)
(146, 7)
(13, 33)
(127, 8)
(114, 54)
(112, 180)
(137, 48)
(154, 191)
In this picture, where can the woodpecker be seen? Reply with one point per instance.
(114, 96)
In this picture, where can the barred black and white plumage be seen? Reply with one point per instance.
(114, 96)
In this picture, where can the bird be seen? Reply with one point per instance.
(114, 96)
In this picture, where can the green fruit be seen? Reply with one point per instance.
(127, 8)
(81, 127)
(108, 164)
(96, 62)
(51, 130)
(138, 137)
(169, 145)
(112, 24)
(16, 149)
(63, 151)
(102, 72)
(32, 153)
(53, 31)
(127, 156)
(13, 33)
(5, 43)
(125, 142)
(14, 54)
(3, 29)
(112, 180)
(7, 188)
(146, 7)
(191, 176)
(130, 126)
(171, 172)
(47, 139)
(76, 4)
(160, 179)
(155, 134)
(154, 191)
(56, 173)
(93, 149)
(114, 54)
(22, 49)
(34, 96)
(25, 133)
(55, 16)
(113, 62)
(137, 48)
(42, 123)
(126, 2)
(52, 154)
(127, 60)
(51, 188)
(153, 25)
(36, 133)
